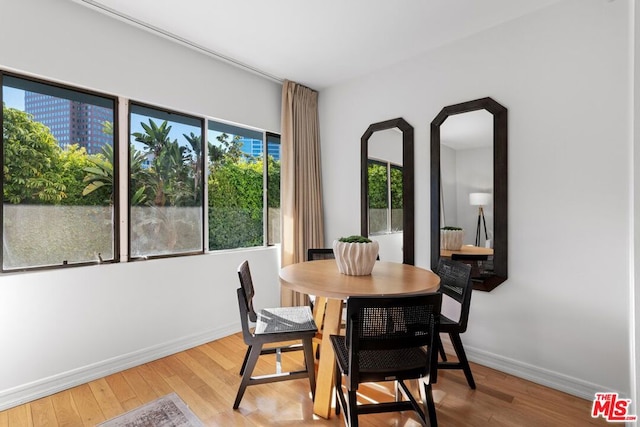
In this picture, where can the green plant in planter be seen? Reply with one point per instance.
(354, 239)
(355, 255)
(450, 227)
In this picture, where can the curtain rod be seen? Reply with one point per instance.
(141, 24)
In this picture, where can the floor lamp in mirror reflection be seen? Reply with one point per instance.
(480, 200)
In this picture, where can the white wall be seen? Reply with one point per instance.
(63, 327)
(449, 187)
(563, 316)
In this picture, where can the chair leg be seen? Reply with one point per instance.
(443, 356)
(422, 386)
(352, 409)
(307, 345)
(251, 360)
(244, 362)
(462, 358)
(337, 381)
(430, 405)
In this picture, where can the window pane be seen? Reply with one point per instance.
(236, 207)
(378, 197)
(59, 180)
(165, 183)
(273, 185)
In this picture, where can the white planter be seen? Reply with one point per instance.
(355, 259)
(451, 240)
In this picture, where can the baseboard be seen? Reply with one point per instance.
(574, 386)
(65, 380)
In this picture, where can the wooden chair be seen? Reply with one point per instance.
(272, 326)
(388, 339)
(455, 283)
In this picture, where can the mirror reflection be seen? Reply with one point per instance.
(387, 188)
(385, 182)
(466, 168)
(385, 192)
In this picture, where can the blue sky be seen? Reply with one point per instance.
(13, 98)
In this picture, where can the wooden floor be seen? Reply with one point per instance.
(206, 378)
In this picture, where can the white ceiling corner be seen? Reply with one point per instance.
(317, 43)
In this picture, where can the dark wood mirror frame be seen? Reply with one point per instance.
(500, 247)
(407, 183)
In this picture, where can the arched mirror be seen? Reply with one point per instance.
(386, 208)
(469, 189)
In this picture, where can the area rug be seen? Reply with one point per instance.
(167, 411)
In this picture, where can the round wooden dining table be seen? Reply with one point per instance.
(322, 279)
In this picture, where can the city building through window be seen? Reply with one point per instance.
(193, 184)
(58, 195)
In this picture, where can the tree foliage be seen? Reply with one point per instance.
(396, 188)
(37, 171)
(99, 175)
(378, 198)
(172, 177)
(235, 197)
(164, 173)
(31, 172)
(378, 188)
(73, 164)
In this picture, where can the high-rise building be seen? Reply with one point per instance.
(71, 122)
(253, 147)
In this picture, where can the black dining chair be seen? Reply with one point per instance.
(315, 254)
(455, 283)
(481, 265)
(279, 325)
(388, 339)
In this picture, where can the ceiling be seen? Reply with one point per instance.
(316, 43)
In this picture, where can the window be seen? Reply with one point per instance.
(59, 183)
(385, 197)
(273, 188)
(236, 186)
(165, 183)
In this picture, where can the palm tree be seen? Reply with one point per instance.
(196, 163)
(156, 140)
(101, 173)
(155, 137)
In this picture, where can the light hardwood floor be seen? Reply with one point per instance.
(206, 378)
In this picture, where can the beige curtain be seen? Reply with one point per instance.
(301, 192)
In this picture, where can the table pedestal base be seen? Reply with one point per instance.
(327, 363)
